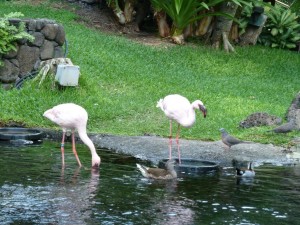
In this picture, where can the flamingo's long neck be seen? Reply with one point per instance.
(87, 141)
(189, 120)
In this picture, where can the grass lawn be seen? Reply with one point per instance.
(121, 81)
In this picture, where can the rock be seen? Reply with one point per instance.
(27, 56)
(293, 112)
(154, 149)
(39, 39)
(10, 71)
(47, 50)
(58, 52)
(31, 25)
(260, 119)
(40, 25)
(7, 87)
(60, 36)
(12, 53)
(50, 31)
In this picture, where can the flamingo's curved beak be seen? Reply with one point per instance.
(203, 109)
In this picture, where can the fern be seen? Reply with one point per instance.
(9, 34)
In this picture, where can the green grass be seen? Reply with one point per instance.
(121, 81)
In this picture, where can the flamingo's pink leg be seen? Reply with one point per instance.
(74, 149)
(170, 141)
(177, 141)
(62, 149)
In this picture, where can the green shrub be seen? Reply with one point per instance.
(282, 29)
(9, 33)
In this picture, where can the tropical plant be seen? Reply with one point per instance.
(114, 5)
(183, 13)
(282, 29)
(295, 6)
(9, 33)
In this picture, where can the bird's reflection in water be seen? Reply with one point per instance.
(72, 202)
(171, 209)
(247, 181)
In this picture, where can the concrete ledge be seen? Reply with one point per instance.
(154, 148)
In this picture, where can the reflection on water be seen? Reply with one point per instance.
(35, 190)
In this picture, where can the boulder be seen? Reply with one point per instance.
(260, 119)
(39, 39)
(293, 112)
(27, 57)
(10, 71)
(47, 50)
(60, 36)
(50, 31)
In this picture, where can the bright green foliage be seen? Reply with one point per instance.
(246, 14)
(184, 12)
(282, 29)
(295, 7)
(121, 81)
(9, 34)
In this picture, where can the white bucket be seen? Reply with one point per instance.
(67, 75)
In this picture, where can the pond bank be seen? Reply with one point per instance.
(155, 148)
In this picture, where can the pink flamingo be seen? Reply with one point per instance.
(178, 108)
(73, 117)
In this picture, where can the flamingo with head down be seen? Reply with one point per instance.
(73, 117)
(179, 109)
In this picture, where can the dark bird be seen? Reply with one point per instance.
(179, 109)
(246, 172)
(285, 128)
(158, 173)
(229, 140)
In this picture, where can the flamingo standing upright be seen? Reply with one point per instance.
(73, 117)
(179, 108)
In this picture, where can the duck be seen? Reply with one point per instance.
(158, 173)
(249, 172)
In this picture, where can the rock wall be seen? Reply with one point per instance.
(48, 43)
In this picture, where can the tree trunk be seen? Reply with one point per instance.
(114, 5)
(223, 26)
(203, 25)
(128, 10)
(188, 31)
(177, 36)
(251, 35)
(163, 26)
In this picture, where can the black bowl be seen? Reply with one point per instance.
(17, 133)
(192, 166)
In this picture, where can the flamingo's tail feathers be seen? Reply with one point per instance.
(160, 104)
(143, 170)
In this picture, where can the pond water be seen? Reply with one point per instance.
(35, 190)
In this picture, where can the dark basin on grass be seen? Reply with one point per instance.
(16, 134)
(192, 166)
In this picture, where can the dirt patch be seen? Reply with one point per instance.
(101, 18)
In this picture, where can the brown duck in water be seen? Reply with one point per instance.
(157, 173)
